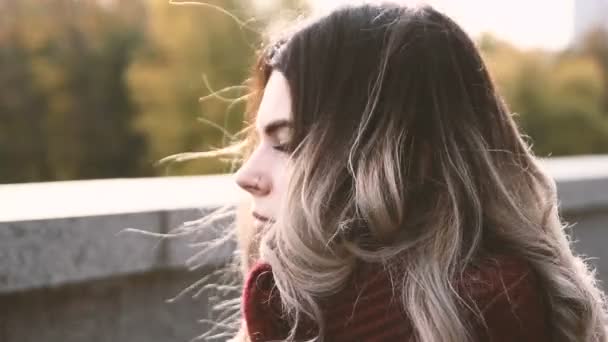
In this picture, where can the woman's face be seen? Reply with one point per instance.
(264, 174)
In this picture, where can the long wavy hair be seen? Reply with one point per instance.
(404, 155)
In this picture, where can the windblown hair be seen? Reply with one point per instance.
(404, 155)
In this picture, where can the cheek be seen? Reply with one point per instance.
(280, 176)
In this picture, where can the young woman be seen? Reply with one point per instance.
(393, 197)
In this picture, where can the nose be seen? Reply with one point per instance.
(254, 182)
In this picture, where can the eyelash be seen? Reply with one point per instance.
(280, 148)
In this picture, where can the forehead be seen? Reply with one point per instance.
(276, 101)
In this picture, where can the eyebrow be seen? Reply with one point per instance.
(276, 125)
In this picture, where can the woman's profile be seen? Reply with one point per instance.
(393, 197)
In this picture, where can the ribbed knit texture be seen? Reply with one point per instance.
(367, 310)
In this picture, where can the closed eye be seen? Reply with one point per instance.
(278, 131)
(281, 148)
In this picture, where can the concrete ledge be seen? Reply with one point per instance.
(51, 200)
(49, 253)
(57, 233)
(582, 182)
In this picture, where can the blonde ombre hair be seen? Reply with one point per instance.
(405, 156)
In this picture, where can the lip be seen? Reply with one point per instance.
(260, 217)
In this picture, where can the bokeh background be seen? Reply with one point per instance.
(94, 89)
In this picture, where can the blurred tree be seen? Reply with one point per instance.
(193, 51)
(65, 107)
(23, 132)
(557, 97)
(92, 89)
(190, 51)
(595, 45)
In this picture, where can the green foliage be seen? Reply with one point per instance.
(189, 52)
(65, 109)
(98, 91)
(91, 91)
(559, 98)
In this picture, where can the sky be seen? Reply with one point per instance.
(546, 24)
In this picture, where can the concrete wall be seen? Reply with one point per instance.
(68, 274)
(123, 308)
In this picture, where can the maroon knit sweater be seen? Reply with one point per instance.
(506, 292)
